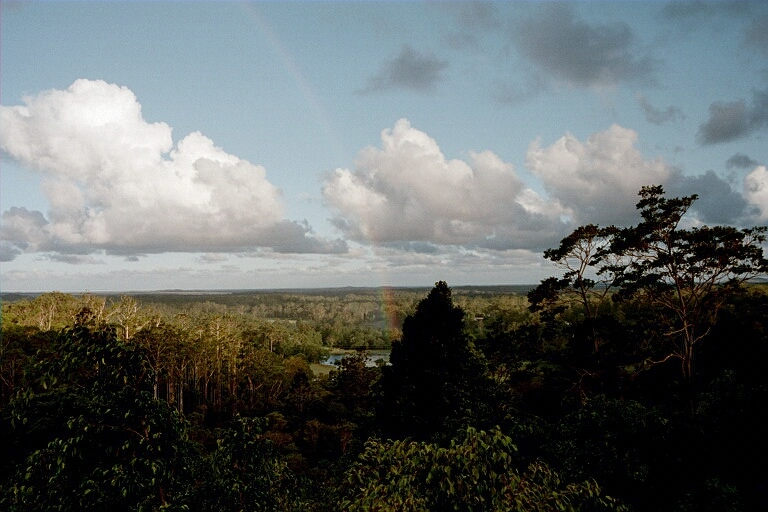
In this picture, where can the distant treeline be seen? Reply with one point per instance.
(637, 379)
(342, 317)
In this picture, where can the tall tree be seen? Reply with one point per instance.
(687, 272)
(578, 254)
(437, 380)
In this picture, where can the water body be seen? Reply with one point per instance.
(371, 358)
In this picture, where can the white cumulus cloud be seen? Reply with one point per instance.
(118, 183)
(408, 191)
(597, 181)
(756, 191)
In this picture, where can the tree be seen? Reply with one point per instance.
(437, 379)
(48, 311)
(245, 473)
(351, 382)
(478, 471)
(128, 317)
(352, 399)
(582, 250)
(89, 436)
(155, 342)
(19, 346)
(689, 273)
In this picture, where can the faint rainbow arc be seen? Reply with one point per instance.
(289, 62)
(387, 303)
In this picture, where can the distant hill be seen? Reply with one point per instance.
(192, 295)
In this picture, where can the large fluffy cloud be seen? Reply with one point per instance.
(118, 183)
(756, 191)
(597, 180)
(407, 191)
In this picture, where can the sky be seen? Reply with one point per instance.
(253, 145)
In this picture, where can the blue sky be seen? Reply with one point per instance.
(153, 145)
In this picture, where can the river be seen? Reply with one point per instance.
(371, 357)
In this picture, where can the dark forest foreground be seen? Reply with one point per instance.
(635, 381)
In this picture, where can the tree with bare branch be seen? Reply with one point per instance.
(579, 255)
(689, 273)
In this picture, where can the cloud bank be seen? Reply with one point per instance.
(740, 161)
(117, 183)
(406, 195)
(757, 34)
(408, 191)
(698, 10)
(657, 116)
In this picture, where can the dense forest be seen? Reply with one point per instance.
(633, 380)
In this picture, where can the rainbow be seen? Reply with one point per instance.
(291, 66)
(387, 304)
(388, 308)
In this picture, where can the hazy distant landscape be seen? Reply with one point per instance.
(198, 295)
(573, 394)
(411, 256)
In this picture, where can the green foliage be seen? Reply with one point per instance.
(613, 441)
(82, 431)
(20, 347)
(245, 473)
(476, 472)
(49, 311)
(287, 339)
(437, 380)
(89, 436)
(688, 272)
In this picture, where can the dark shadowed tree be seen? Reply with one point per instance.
(245, 473)
(352, 384)
(579, 253)
(88, 435)
(437, 380)
(685, 273)
(689, 273)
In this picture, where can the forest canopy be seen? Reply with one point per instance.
(633, 380)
